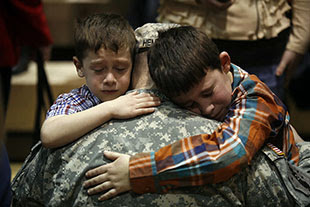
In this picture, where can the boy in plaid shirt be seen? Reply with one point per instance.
(105, 45)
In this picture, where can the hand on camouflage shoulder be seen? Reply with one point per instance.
(112, 178)
(133, 104)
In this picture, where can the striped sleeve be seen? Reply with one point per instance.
(68, 103)
(62, 106)
(254, 116)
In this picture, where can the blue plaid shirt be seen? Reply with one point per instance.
(77, 100)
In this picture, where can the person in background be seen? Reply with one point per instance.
(5, 177)
(5, 170)
(258, 35)
(22, 22)
(141, 12)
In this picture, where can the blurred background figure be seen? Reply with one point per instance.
(5, 178)
(22, 23)
(142, 11)
(298, 86)
(5, 170)
(260, 36)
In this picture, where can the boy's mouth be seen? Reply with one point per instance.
(109, 91)
(220, 115)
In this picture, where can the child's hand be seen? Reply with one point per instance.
(112, 178)
(133, 104)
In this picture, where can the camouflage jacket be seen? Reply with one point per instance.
(54, 177)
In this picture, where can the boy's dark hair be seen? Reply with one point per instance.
(179, 58)
(110, 31)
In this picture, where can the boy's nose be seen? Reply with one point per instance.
(206, 110)
(109, 79)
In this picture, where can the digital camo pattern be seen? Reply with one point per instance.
(55, 177)
(296, 179)
(148, 33)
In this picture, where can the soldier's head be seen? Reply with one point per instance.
(146, 36)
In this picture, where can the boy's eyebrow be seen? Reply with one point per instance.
(100, 60)
(96, 61)
(122, 61)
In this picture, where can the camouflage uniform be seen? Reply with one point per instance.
(54, 177)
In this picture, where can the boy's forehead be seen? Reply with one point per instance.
(204, 85)
(123, 54)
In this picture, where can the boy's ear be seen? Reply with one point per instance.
(225, 61)
(78, 66)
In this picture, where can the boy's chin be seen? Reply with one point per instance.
(108, 96)
(219, 117)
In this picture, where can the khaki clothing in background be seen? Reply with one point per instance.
(244, 20)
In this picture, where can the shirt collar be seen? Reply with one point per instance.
(89, 95)
(238, 76)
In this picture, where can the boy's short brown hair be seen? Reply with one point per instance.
(179, 59)
(110, 31)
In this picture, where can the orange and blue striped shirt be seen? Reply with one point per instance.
(256, 116)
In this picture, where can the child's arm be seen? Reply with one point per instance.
(60, 130)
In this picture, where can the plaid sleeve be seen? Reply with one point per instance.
(65, 104)
(254, 116)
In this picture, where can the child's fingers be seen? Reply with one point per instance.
(112, 155)
(96, 171)
(100, 188)
(95, 180)
(145, 103)
(110, 194)
(146, 95)
(142, 111)
(148, 101)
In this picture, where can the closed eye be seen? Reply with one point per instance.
(98, 70)
(207, 94)
(190, 105)
(120, 69)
